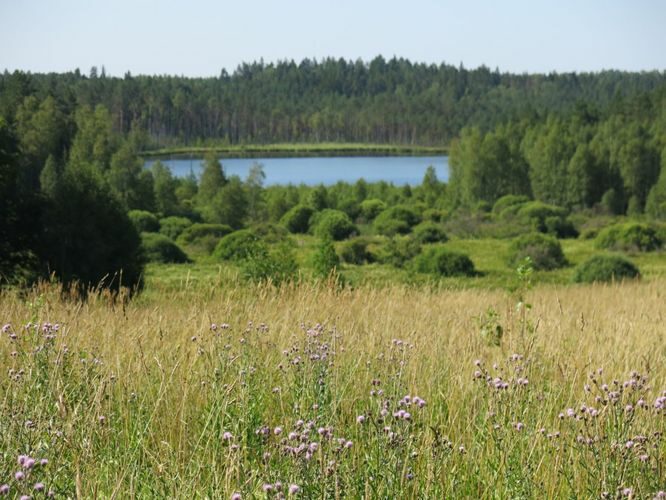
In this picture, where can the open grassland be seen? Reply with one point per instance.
(313, 391)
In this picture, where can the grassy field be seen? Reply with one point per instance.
(300, 149)
(205, 388)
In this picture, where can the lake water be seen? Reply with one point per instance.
(323, 170)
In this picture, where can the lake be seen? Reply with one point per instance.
(323, 170)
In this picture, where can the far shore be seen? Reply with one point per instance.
(297, 150)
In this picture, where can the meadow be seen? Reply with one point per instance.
(313, 390)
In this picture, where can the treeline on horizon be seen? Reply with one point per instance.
(71, 167)
(333, 100)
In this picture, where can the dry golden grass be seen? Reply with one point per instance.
(160, 350)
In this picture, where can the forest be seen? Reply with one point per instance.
(540, 153)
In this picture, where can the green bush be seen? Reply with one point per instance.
(398, 251)
(430, 232)
(604, 268)
(396, 220)
(159, 248)
(630, 236)
(239, 245)
(560, 227)
(355, 251)
(434, 215)
(144, 222)
(536, 213)
(276, 265)
(194, 234)
(371, 208)
(173, 226)
(271, 233)
(442, 262)
(325, 261)
(509, 200)
(544, 251)
(332, 224)
(297, 219)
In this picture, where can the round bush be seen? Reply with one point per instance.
(297, 219)
(355, 251)
(396, 220)
(604, 268)
(239, 245)
(630, 236)
(144, 222)
(372, 208)
(173, 226)
(434, 215)
(333, 224)
(536, 213)
(271, 233)
(443, 262)
(159, 248)
(277, 265)
(509, 200)
(429, 232)
(544, 251)
(198, 232)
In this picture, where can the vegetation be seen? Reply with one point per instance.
(442, 262)
(159, 248)
(630, 236)
(604, 268)
(544, 252)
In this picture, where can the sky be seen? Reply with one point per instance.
(200, 37)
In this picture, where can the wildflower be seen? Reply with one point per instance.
(627, 492)
(571, 412)
(39, 486)
(236, 496)
(4, 489)
(267, 487)
(629, 444)
(643, 458)
(349, 444)
(660, 494)
(277, 431)
(461, 449)
(477, 362)
(102, 419)
(293, 489)
(227, 436)
(519, 426)
(29, 463)
(20, 476)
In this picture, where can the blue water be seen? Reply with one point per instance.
(398, 170)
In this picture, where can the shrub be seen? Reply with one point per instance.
(509, 200)
(159, 248)
(239, 245)
(144, 222)
(194, 234)
(277, 265)
(396, 220)
(325, 261)
(372, 208)
(443, 262)
(560, 227)
(544, 251)
(172, 227)
(536, 213)
(333, 224)
(430, 232)
(434, 215)
(355, 251)
(604, 268)
(631, 236)
(271, 233)
(398, 251)
(297, 219)
(350, 207)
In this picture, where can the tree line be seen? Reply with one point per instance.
(333, 100)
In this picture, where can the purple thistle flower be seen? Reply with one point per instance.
(360, 419)
(519, 426)
(267, 487)
(29, 463)
(44, 462)
(277, 431)
(20, 476)
(293, 489)
(227, 436)
(22, 459)
(4, 489)
(627, 492)
(39, 486)
(236, 496)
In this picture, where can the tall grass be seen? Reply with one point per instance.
(318, 392)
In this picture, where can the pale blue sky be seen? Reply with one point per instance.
(199, 37)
